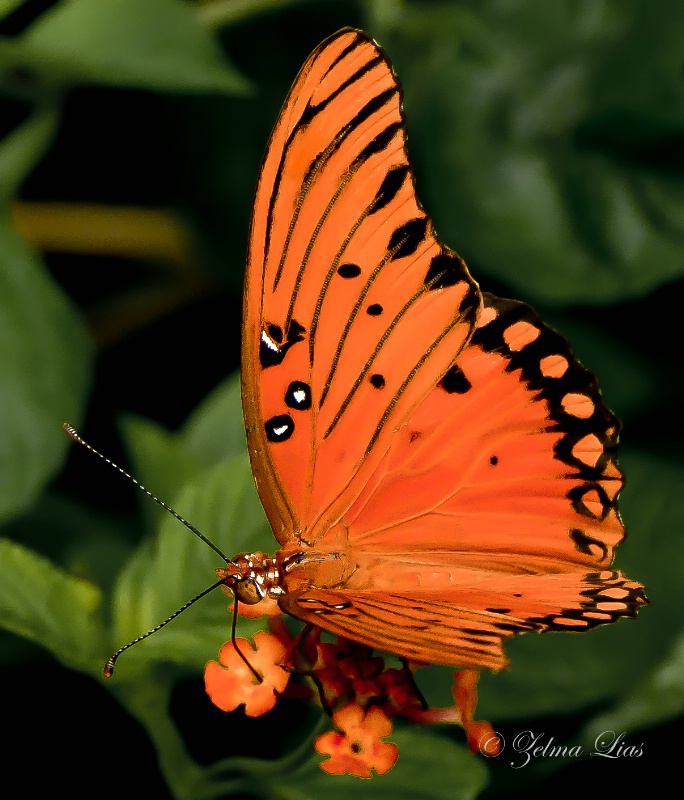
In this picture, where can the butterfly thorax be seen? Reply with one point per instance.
(326, 564)
(251, 577)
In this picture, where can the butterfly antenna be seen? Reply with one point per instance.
(73, 433)
(108, 669)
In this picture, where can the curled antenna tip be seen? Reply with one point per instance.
(108, 669)
(70, 431)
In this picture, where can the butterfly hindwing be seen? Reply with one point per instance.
(507, 465)
(466, 626)
(353, 309)
(493, 511)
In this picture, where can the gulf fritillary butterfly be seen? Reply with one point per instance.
(437, 467)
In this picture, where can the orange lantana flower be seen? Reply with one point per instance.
(353, 686)
(359, 748)
(231, 683)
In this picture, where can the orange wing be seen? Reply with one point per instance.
(466, 626)
(492, 512)
(353, 309)
(438, 468)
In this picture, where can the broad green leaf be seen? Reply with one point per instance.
(165, 460)
(657, 699)
(50, 607)
(44, 348)
(83, 541)
(174, 566)
(156, 44)
(6, 6)
(21, 150)
(215, 429)
(541, 145)
(160, 462)
(217, 13)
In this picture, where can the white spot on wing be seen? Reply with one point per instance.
(272, 346)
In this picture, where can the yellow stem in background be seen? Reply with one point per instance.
(139, 234)
(124, 231)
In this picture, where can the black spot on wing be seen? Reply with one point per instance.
(298, 396)
(584, 543)
(378, 381)
(349, 271)
(390, 186)
(275, 332)
(313, 109)
(577, 497)
(455, 381)
(271, 349)
(280, 428)
(374, 310)
(446, 269)
(576, 379)
(380, 142)
(406, 238)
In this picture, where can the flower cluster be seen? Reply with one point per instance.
(353, 686)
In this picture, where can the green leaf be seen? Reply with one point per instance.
(460, 775)
(174, 566)
(50, 607)
(45, 351)
(157, 44)
(228, 12)
(160, 462)
(21, 150)
(215, 430)
(165, 461)
(543, 151)
(6, 6)
(657, 699)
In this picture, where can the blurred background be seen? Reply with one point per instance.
(547, 142)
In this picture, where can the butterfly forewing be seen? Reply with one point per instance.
(439, 469)
(352, 307)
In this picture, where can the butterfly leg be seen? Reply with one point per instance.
(233, 639)
(305, 631)
(410, 679)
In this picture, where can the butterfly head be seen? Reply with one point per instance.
(251, 577)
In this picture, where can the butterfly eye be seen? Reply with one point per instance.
(248, 592)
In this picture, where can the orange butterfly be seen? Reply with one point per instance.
(437, 467)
